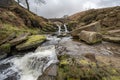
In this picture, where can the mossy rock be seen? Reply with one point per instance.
(5, 48)
(32, 42)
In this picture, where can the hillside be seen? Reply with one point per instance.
(16, 19)
(108, 17)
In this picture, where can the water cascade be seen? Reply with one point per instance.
(66, 30)
(59, 29)
(63, 31)
(28, 67)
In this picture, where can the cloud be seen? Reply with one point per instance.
(59, 8)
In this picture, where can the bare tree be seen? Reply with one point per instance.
(26, 2)
(18, 1)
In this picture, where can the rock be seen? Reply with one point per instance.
(5, 48)
(90, 56)
(12, 36)
(32, 42)
(3, 55)
(111, 39)
(51, 71)
(19, 39)
(114, 33)
(90, 37)
(63, 35)
(91, 27)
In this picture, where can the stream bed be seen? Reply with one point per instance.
(33, 64)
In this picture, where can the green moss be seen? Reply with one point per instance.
(32, 41)
(111, 78)
(115, 78)
(63, 57)
(5, 48)
(64, 62)
(84, 62)
(35, 38)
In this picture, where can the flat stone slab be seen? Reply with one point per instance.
(19, 39)
(10, 37)
(114, 33)
(91, 27)
(111, 39)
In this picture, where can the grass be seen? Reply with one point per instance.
(19, 30)
(8, 29)
(5, 47)
(71, 68)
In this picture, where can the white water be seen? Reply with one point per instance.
(60, 28)
(66, 30)
(31, 65)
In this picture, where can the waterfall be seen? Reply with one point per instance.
(59, 29)
(66, 30)
(30, 66)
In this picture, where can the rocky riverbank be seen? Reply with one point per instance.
(80, 61)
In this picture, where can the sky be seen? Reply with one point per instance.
(59, 8)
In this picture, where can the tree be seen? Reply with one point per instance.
(18, 1)
(26, 2)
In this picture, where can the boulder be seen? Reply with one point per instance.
(32, 42)
(90, 37)
(5, 48)
(19, 39)
(91, 27)
(111, 39)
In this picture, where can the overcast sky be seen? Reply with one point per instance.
(59, 8)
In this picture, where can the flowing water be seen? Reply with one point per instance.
(28, 67)
(63, 30)
(66, 30)
(33, 64)
(59, 29)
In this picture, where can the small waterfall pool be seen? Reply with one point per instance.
(29, 66)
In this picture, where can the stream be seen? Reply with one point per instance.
(33, 64)
(29, 66)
